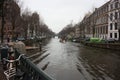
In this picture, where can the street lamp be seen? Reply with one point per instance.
(119, 28)
(2, 17)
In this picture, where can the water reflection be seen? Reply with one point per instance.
(100, 63)
(73, 61)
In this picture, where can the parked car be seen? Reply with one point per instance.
(96, 40)
(110, 40)
(76, 40)
(31, 38)
(21, 38)
(87, 39)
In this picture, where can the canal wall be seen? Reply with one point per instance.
(113, 46)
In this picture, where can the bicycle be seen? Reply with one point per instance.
(11, 68)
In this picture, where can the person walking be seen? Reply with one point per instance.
(8, 39)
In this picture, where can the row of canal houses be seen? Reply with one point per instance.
(103, 23)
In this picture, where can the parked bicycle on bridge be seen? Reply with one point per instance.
(12, 70)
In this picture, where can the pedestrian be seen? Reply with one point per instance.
(8, 39)
(4, 54)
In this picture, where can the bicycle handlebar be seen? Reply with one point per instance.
(10, 61)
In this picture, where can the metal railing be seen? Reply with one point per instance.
(31, 72)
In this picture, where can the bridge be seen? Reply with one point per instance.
(30, 70)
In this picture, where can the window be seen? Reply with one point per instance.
(116, 5)
(111, 6)
(116, 0)
(110, 35)
(119, 14)
(111, 26)
(111, 16)
(115, 34)
(106, 29)
(116, 15)
(100, 30)
(115, 26)
(103, 29)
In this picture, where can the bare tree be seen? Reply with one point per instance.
(35, 23)
(66, 30)
(26, 22)
(12, 14)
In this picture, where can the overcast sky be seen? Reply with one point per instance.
(58, 13)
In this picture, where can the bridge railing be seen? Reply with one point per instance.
(31, 72)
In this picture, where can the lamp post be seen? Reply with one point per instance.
(119, 29)
(2, 17)
(119, 34)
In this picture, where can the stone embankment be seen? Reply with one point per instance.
(112, 46)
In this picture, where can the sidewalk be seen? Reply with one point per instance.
(2, 76)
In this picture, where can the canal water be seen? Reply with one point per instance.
(73, 61)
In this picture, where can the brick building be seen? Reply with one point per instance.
(103, 23)
(114, 20)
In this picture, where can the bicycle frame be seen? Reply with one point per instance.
(11, 71)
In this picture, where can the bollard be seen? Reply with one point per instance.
(40, 46)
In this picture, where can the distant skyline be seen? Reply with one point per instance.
(58, 13)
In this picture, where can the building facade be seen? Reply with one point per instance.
(77, 31)
(114, 20)
(103, 23)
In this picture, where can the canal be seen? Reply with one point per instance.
(73, 61)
